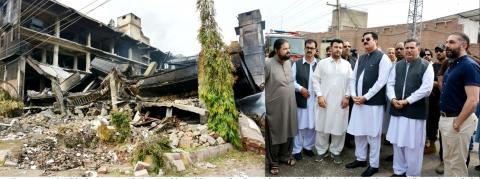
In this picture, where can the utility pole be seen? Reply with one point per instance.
(414, 21)
(338, 17)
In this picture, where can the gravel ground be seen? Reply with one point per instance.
(309, 168)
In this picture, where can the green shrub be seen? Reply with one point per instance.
(154, 147)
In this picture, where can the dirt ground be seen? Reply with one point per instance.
(233, 164)
(309, 168)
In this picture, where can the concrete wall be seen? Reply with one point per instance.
(349, 18)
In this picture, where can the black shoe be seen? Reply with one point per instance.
(389, 158)
(356, 164)
(369, 172)
(477, 168)
(308, 153)
(298, 156)
(402, 175)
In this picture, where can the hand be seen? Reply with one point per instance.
(396, 104)
(321, 102)
(344, 102)
(359, 100)
(304, 92)
(456, 126)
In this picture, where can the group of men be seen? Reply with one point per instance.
(307, 104)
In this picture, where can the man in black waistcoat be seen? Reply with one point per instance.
(408, 88)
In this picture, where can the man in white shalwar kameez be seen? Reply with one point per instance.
(368, 93)
(302, 71)
(331, 82)
(408, 87)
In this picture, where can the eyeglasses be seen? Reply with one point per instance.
(438, 51)
(399, 48)
(310, 48)
(347, 46)
(366, 39)
(428, 54)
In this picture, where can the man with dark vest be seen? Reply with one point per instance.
(408, 88)
(368, 92)
(302, 72)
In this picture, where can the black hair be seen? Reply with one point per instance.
(374, 35)
(336, 40)
(464, 38)
(277, 45)
(417, 43)
(310, 41)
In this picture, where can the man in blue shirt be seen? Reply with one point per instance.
(458, 101)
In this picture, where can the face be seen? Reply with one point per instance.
(336, 49)
(411, 51)
(369, 43)
(329, 52)
(284, 52)
(441, 54)
(454, 46)
(428, 55)
(310, 50)
(399, 50)
(391, 54)
(346, 49)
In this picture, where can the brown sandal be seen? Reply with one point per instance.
(274, 170)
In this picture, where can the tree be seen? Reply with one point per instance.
(215, 76)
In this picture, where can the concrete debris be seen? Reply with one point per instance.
(141, 165)
(102, 170)
(141, 173)
(90, 174)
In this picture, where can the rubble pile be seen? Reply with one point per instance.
(193, 135)
(45, 154)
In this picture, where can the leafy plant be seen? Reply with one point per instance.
(215, 76)
(154, 147)
(121, 121)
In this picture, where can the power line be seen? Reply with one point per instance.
(19, 44)
(77, 19)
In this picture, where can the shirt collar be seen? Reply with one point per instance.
(305, 60)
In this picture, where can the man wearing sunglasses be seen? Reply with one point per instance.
(368, 92)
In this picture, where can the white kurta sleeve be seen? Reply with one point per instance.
(317, 80)
(383, 72)
(391, 84)
(425, 88)
(298, 87)
(353, 79)
(348, 79)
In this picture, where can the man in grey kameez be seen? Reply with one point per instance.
(281, 118)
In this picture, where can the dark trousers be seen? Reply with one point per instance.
(278, 153)
(433, 118)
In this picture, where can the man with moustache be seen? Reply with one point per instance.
(368, 92)
(302, 72)
(347, 55)
(331, 83)
(328, 52)
(281, 107)
(409, 84)
(458, 101)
